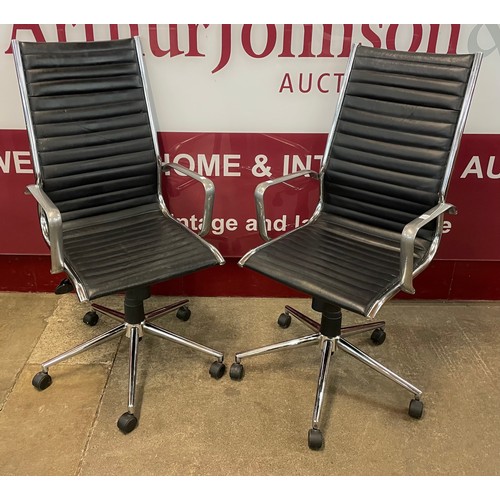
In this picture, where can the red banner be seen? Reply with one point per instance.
(237, 162)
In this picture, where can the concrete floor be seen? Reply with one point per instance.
(191, 424)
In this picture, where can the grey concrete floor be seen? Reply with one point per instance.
(191, 424)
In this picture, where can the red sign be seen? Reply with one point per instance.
(237, 162)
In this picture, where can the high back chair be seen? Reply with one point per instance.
(383, 181)
(98, 187)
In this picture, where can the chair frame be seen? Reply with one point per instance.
(335, 338)
(134, 322)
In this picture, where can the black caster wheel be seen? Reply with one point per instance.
(183, 313)
(378, 336)
(127, 422)
(91, 318)
(315, 439)
(284, 320)
(236, 371)
(416, 408)
(217, 369)
(41, 381)
(64, 287)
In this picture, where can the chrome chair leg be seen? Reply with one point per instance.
(217, 368)
(128, 421)
(315, 437)
(109, 312)
(367, 360)
(280, 346)
(310, 323)
(348, 331)
(42, 379)
(100, 339)
(237, 370)
(158, 313)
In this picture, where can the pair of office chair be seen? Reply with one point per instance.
(378, 223)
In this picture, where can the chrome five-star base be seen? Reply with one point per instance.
(329, 345)
(134, 324)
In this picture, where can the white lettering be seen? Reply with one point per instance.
(219, 225)
(18, 162)
(19, 159)
(474, 167)
(206, 167)
(489, 171)
(5, 163)
(279, 225)
(228, 164)
(298, 163)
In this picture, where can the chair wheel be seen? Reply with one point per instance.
(41, 381)
(64, 287)
(416, 408)
(236, 371)
(315, 439)
(284, 320)
(91, 318)
(378, 336)
(183, 313)
(217, 369)
(127, 422)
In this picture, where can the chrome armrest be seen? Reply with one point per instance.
(209, 187)
(54, 222)
(259, 197)
(408, 242)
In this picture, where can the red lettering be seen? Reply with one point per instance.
(416, 39)
(62, 34)
(307, 46)
(455, 32)
(327, 41)
(225, 51)
(371, 36)
(89, 32)
(286, 84)
(320, 88)
(309, 83)
(193, 40)
(247, 43)
(433, 38)
(339, 77)
(173, 39)
(35, 29)
(287, 41)
(346, 47)
(115, 35)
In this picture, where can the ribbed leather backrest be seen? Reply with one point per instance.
(391, 146)
(91, 126)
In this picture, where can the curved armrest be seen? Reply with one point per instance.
(54, 222)
(209, 187)
(259, 197)
(408, 242)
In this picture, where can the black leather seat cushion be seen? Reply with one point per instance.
(337, 260)
(113, 252)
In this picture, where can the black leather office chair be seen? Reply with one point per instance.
(98, 171)
(383, 181)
